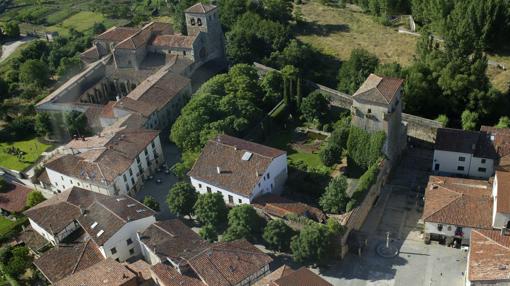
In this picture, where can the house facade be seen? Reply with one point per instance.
(111, 163)
(239, 170)
(377, 106)
(464, 153)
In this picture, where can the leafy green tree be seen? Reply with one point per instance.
(231, 10)
(69, 66)
(504, 122)
(335, 197)
(151, 203)
(98, 28)
(181, 199)
(76, 123)
(278, 10)
(469, 120)
(272, 86)
(43, 125)
(210, 209)
(243, 222)
(34, 198)
(278, 235)
(179, 20)
(355, 71)
(330, 154)
(18, 262)
(443, 119)
(312, 245)
(209, 233)
(315, 107)
(36, 50)
(34, 72)
(364, 148)
(11, 29)
(389, 70)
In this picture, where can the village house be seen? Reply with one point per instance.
(377, 106)
(239, 170)
(111, 163)
(455, 206)
(112, 222)
(463, 152)
(170, 241)
(235, 263)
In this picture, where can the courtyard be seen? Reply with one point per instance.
(397, 211)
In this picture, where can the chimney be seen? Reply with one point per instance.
(218, 169)
(117, 98)
(257, 173)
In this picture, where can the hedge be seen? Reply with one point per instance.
(364, 148)
(365, 182)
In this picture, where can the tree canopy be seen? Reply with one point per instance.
(277, 234)
(356, 69)
(315, 107)
(243, 222)
(151, 203)
(210, 209)
(181, 199)
(335, 198)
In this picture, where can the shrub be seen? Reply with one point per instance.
(364, 148)
(335, 197)
(278, 235)
(364, 184)
(208, 232)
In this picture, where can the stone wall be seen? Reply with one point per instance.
(417, 127)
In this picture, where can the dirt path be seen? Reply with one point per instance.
(10, 47)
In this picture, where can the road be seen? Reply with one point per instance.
(10, 47)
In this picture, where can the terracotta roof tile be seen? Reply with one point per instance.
(166, 275)
(503, 184)
(489, 256)
(116, 34)
(236, 175)
(14, 198)
(200, 8)
(280, 206)
(66, 259)
(378, 89)
(174, 41)
(301, 277)
(33, 239)
(141, 268)
(172, 239)
(460, 202)
(228, 263)
(105, 273)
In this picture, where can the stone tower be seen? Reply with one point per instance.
(204, 18)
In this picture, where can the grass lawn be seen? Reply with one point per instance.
(6, 225)
(81, 22)
(33, 149)
(338, 31)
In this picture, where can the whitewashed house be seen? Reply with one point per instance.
(112, 222)
(112, 163)
(466, 153)
(238, 169)
(455, 206)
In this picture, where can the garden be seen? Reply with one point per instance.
(21, 154)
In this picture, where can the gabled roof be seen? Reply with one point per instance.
(142, 36)
(489, 256)
(105, 273)
(174, 41)
(241, 164)
(200, 8)
(459, 202)
(280, 206)
(103, 218)
(14, 198)
(172, 239)
(378, 89)
(168, 276)
(228, 263)
(66, 259)
(301, 277)
(503, 185)
(116, 34)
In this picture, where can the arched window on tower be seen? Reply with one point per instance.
(192, 21)
(199, 22)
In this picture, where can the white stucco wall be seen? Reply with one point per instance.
(448, 230)
(62, 182)
(449, 163)
(119, 239)
(147, 253)
(53, 239)
(201, 187)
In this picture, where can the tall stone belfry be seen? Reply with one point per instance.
(205, 18)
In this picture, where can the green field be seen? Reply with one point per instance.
(81, 22)
(6, 225)
(33, 149)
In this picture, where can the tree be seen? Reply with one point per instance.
(210, 209)
(335, 197)
(151, 203)
(355, 71)
(209, 233)
(272, 86)
(443, 119)
(278, 235)
(69, 66)
(98, 28)
(278, 10)
(243, 222)
(43, 125)
(34, 198)
(181, 198)
(315, 107)
(469, 120)
(17, 261)
(329, 154)
(504, 122)
(11, 29)
(34, 72)
(76, 123)
(179, 19)
(312, 245)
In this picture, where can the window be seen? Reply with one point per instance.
(153, 145)
(146, 152)
(199, 186)
(462, 158)
(127, 187)
(460, 168)
(192, 21)
(230, 199)
(125, 178)
(130, 172)
(138, 160)
(62, 177)
(71, 181)
(439, 227)
(131, 251)
(483, 161)
(199, 22)
(208, 189)
(240, 201)
(268, 176)
(183, 53)
(132, 181)
(129, 241)
(79, 184)
(113, 250)
(369, 111)
(483, 170)
(436, 167)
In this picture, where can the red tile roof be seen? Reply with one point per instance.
(174, 41)
(489, 257)
(301, 277)
(105, 273)
(236, 175)
(200, 8)
(166, 275)
(14, 198)
(378, 89)
(116, 34)
(460, 202)
(503, 185)
(280, 206)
